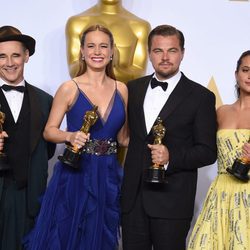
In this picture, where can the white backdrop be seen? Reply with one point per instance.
(216, 32)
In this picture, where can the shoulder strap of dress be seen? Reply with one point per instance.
(75, 83)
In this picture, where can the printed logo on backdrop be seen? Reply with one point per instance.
(213, 87)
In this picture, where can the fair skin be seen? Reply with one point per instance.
(13, 56)
(236, 115)
(166, 56)
(94, 83)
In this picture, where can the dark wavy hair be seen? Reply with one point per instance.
(239, 62)
(166, 30)
(82, 63)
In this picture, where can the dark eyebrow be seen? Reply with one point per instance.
(157, 49)
(174, 48)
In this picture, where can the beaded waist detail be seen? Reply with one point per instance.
(100, 147)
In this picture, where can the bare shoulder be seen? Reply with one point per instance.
(67, 88)
(67, 91)
(227, 115)
(122, 87)
(224, 109)
(123, 90)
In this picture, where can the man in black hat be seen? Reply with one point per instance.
(24, 154)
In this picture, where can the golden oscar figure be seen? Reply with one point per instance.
(130, 34)
(72, 153)
(156, 172)
(240, 168)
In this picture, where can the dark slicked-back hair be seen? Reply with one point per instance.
(82, 63)
(166, 30)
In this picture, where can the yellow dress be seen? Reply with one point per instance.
(224, 222)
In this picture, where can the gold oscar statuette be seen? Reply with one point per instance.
(240, 168)
(72, 153)
(3, 157)
(156, 172)
(130, 34)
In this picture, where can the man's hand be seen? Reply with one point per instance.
(159, 154)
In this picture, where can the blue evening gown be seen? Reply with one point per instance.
(80, 209)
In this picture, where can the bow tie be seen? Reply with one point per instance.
(155, 83)
(6, 87)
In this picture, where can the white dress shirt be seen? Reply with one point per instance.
(14, 99)
(156, 98)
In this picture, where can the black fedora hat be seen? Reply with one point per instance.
(10, 33)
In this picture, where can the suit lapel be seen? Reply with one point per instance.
(4, 106)
(141, 96)
(181, 91)
(36, 118)
(24, 112)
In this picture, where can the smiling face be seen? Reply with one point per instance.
(97, 50)
(243, 75)
(13, 56)
(165, 55)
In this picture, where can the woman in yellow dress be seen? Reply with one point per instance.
(224, 222)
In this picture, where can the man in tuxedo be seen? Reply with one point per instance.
(159, 214)
(24, 153)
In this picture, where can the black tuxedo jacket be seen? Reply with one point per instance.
(40, 150)
(189, 116)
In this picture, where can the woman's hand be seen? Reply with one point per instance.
(77, 139)
(246, 151)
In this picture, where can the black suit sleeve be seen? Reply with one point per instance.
(198, 149)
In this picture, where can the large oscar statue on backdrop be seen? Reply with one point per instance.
(130, 34)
